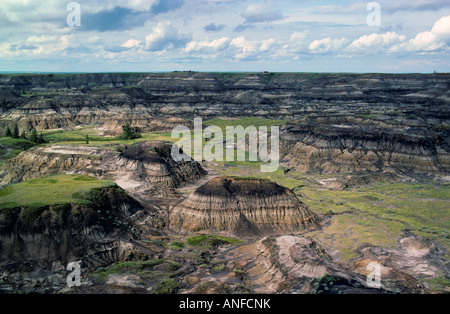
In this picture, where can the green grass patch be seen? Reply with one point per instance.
(78, 137)
(11, 147)
(135, 267)
(166, 286)
(177, 245)
(211, 241)
(16, 143)
(438, 283)
(55, 189)
(377, 214)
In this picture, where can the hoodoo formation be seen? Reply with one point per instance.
(243, 206)
(152, 161)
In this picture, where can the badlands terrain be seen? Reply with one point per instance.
(364, 178)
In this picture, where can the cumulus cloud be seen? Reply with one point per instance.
(165, 36)
(326, 45)
(251, 49)
(436, 39)
(215, 45)
(261, 12)
(375, 42)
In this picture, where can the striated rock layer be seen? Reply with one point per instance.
(245, 207)
(153, 161)
(147, 99)
(37, 242)
(62, 233)
(143, 163)
(348, 144)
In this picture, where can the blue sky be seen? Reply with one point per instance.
(225, 35)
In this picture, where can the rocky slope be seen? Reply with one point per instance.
(245, 207)
(349, 144)
(143, 166)
(153, 162)
(293, 264)
(37, 242)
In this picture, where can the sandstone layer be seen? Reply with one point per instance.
(243, 206)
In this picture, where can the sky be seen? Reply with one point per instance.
(400, 36)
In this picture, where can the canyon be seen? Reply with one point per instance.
(347, 143)
(361, 121)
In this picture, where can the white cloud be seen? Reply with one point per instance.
(248, 48)
(42, 39)
(375, 42)
(298, 37)
(165, 36)
(131, 43)
(216, 44)
(266, 45)
(251, 49)
(326, 45)
(261, 12)
(436, 39)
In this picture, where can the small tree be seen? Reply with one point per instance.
(34, 137)
(8, 132)
(15, 132)
(23, 135)
(130, 133)
(41, 139)
(127, 132)
(87, 139)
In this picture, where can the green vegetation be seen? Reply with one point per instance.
(130, 133)
(377, 214)
(244, 122)
(177, 245)
(167, 286)
(134, 267)
(80, 136)
(52, 190)
(15, 131)
(8, 132)
(438, 283)
(11, 147)
(211, 241)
